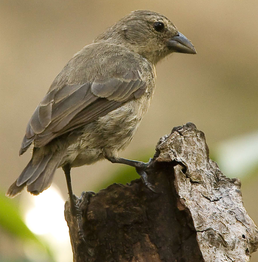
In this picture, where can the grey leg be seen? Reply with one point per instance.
(139, 166)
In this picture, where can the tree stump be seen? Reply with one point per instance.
(196, 214)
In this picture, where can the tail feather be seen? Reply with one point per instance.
(38, 174)
(41, 169)
(44, 180)
(34, 168)
(14, 190)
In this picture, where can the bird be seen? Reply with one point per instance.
(96, 103)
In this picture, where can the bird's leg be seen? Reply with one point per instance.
(133, 163)
(75, 209)
(67, 171)
(139, 166)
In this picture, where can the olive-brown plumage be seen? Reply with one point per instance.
(97, 101)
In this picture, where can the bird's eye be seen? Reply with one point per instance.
(159, 26)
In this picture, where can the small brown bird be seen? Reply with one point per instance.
(98, 100)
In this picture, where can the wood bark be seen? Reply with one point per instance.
(196, 214)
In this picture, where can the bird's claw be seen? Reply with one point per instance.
(146, 165)
(144, 177)
(77, 211)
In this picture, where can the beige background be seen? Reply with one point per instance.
(217, 89)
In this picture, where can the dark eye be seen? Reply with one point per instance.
(159, 26)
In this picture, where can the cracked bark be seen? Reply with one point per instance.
(197, 213)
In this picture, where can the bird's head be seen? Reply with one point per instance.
(150, 34)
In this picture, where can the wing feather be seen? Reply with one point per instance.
(69, 107)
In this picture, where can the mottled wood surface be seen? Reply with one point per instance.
(196, 214)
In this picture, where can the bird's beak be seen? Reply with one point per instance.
(179, 43)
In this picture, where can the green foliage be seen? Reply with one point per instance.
(12, 222)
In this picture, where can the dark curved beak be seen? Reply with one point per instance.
(181, 44)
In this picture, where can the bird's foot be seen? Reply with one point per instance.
(143, 173)
(78, 211)
(141, 168)
(144, 176)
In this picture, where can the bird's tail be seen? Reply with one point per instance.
(38, 174)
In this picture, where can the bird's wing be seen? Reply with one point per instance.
(65, 109)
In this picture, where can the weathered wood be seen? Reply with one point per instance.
(197, 213)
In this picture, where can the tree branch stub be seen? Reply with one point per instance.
(197, 213)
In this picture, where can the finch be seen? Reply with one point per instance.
(96, 103)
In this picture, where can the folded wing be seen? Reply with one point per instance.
(72, 106)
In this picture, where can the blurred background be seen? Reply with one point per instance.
(217, 89)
